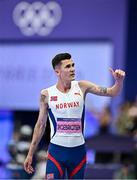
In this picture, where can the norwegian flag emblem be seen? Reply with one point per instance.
(53, 98)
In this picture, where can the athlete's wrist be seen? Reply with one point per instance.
(30, 154)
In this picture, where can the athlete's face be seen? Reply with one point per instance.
(66, 70)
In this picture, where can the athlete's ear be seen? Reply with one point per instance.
(57, 71)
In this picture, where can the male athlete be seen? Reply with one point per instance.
(63, 103)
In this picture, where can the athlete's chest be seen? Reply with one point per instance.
(72, 102)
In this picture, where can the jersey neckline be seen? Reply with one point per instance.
(64, 92)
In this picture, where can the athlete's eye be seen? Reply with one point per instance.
(68, 66)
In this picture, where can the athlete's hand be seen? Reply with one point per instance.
(28, 165)
(118, 74)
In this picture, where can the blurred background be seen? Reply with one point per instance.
(99, 34)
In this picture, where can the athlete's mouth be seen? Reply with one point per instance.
(72, 75)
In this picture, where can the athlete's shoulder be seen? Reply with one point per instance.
(80, 83)
(83, 83)
(74, 82)
(44, 92)
(44, 96)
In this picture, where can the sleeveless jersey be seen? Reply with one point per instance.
(66, 115)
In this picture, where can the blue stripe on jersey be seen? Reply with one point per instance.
(53, 120)
(82, 118)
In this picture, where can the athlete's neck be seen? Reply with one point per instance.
(63, 86)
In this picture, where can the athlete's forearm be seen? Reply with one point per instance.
(40, 125)
(115, 89)
(37, 135)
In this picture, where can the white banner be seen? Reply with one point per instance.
(25, 69)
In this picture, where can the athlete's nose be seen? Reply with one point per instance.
(72, 69)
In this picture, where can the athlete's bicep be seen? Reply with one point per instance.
(43, 110)
(94, 88)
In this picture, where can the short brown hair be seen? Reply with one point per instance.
(59, 57)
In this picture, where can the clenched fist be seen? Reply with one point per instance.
(118, 74)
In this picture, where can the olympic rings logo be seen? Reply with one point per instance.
(37, 18)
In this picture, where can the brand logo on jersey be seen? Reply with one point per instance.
(77, 93)
(53, 98)
(67, 105)
(50, 176)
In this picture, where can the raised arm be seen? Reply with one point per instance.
(38, 131)
(89, 87)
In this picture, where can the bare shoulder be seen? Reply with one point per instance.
(44, 96)
(83, 85)
(44, 92)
